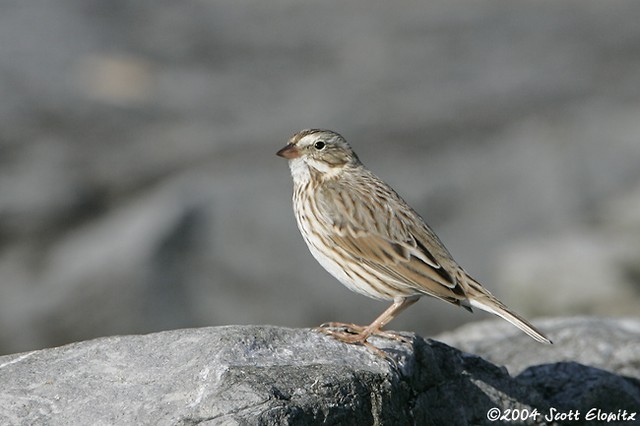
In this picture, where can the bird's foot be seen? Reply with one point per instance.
(361, 332)
(357, 335)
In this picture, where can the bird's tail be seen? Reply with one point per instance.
(480, 298)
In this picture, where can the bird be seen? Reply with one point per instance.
(365, 235)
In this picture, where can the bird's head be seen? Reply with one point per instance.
(318, 151)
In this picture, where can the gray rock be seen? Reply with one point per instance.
(611, 344)
(240, 375)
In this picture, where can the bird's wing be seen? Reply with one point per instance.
(384, 233)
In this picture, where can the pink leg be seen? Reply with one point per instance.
(357, 334)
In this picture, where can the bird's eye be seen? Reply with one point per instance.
(319, 145)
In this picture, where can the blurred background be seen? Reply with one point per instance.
(140, 191)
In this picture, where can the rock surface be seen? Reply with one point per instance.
(611, 344)
(239, 375)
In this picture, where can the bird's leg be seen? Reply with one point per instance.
(357, 334)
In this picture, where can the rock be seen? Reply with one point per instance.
(571, 266)
(237, 375)
(611, 344)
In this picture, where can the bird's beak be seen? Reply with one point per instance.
(289, 152)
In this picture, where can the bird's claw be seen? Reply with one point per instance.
(357, 335)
